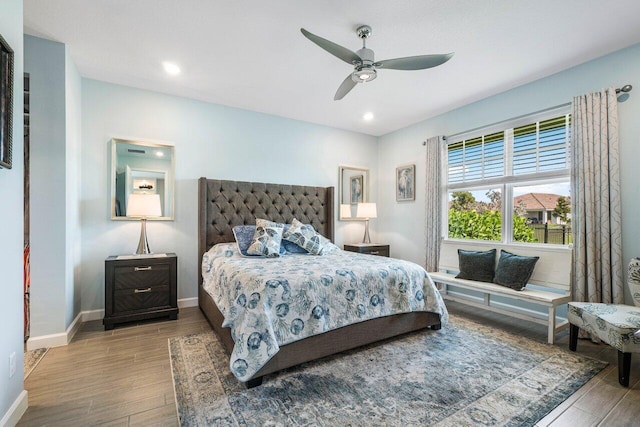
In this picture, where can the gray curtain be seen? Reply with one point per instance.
(433, 196)
(595, 199)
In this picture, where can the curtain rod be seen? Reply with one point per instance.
(624, 89)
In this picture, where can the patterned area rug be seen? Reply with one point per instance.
(31, 360)
(465, 374)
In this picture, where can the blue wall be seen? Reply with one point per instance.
(12, 394)
(210, 140)
(402, 224)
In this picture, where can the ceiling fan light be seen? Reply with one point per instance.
(364, 75)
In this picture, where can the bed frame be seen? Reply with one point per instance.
(225, 204)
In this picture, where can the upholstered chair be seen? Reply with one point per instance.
(616, 324)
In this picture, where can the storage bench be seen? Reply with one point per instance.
(552, 273)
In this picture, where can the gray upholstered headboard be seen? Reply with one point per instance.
(225, 204)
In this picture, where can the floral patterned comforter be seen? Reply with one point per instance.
(269, 302)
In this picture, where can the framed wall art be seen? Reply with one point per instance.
(405, 183)
(6, 103)
(357, 187)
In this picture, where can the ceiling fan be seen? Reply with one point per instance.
(364, 65)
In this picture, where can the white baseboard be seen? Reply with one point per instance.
(16, 410)
(56, 340)
(188, 302)
(61, 339)
(90, 315)
(74, 327)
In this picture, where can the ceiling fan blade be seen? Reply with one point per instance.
(419, 62)
(344, 88)
(335, 49)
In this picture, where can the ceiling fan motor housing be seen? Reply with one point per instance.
(364, 71)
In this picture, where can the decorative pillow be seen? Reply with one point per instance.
(476, 265)
(291, 247)
(244, 237)
(327, 246)
(305, 236)
(266, 239)
(514, 271)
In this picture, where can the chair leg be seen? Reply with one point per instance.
(573, 337)
(624, 368)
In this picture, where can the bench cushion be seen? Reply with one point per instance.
(476, 265)
(614, 324)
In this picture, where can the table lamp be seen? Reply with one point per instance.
(366, 211)
(144, 206)
(345, 211)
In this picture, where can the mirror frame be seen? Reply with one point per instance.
(341, 187)
(170, 184)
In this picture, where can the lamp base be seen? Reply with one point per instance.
(366, 238)
(143, 244)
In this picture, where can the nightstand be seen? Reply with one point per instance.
(368, 248)
(140, 287)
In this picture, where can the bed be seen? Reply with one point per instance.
(224, 204)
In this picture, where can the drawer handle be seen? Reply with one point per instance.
(142, 268)
(374, 252)
(142, 291)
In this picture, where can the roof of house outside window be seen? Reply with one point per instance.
(538, 201)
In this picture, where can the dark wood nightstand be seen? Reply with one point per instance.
(140, 287)
(368, 248)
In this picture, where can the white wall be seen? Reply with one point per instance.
(210, 140)
(44, 60)
(11, 220)
(402, 224)
(73, 125)
(55, 147)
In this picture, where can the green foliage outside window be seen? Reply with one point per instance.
(486, 226)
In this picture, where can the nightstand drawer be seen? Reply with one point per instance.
(369, 249)
(380, 252)
(130, 277)
(142, 298)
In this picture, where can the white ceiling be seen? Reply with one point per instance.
(250, 53)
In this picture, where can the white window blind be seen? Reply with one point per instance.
(541, 146)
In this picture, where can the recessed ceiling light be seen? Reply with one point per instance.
(368, 116)
(171, 68)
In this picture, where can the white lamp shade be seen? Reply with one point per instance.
(145, 205)
(345, 211)
(367, 210)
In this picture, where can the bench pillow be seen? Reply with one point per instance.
(514, 271)
(476, 265)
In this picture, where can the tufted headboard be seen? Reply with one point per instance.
(225, 204)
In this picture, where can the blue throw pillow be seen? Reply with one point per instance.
(514, 271)
(476, 265)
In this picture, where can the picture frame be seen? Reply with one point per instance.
(356, 189)
(6, 103)
(406, 183)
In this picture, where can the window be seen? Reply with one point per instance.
(517, 171)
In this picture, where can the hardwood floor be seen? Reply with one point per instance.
(122, 377)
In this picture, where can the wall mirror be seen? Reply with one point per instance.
(353, 188)
(141, 168)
